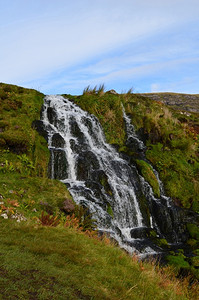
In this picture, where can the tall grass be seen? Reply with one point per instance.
(95, 90)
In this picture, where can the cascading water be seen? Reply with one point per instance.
(99, 178)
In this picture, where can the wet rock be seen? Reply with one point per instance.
(134, 145)
(68, 206)
(58, 141)
(58, 164)
(171, 221)
(97, 190)
(101, 177)
(75, 130)
(51, 114)
(86, 163)
(140, 232)
(41, 128)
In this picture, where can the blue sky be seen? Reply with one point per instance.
(62, 46)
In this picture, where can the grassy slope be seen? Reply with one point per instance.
(57, 263)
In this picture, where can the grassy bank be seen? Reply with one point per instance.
(61, 263)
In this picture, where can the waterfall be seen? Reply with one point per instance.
(99, 178)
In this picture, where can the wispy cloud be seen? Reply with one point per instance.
(60, 43)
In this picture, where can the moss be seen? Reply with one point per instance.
(195, 261)
(162, 243)
(153, 234)
(193, 231)
(178, 261)
(104, 182)
(195, 206)
(109, 210)
(148, 174)
(2, 142)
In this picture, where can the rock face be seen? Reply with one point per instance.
(178, 101)
(98, 177)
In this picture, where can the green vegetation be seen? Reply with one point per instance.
(147, 172)
(172, 146)
(107, 108)
(194, 231)
(22, 148)
(62, 263)
(29, 196)
(110, 211)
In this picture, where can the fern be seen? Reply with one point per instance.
(48, 220)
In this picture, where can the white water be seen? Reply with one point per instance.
(125, 206)
(85, 153)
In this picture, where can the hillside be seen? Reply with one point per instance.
(65, 262)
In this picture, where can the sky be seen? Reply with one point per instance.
(62, 46)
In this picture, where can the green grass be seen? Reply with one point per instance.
(19, 107)
(107, 108)
(32, 195)
(60, 263)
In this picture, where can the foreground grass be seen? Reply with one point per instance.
(61, 263)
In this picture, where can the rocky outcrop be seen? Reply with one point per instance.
(185, 102)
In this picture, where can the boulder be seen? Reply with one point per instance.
(68, 206)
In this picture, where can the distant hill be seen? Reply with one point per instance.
(187, 102)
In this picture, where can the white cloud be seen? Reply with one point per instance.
(43, 37)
